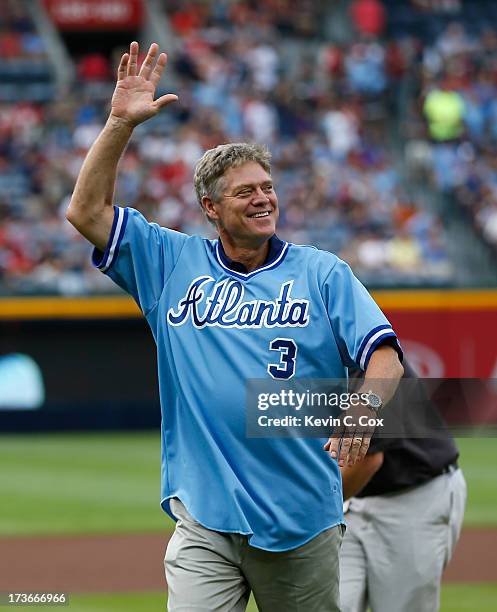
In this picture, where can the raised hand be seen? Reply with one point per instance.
(133, 100)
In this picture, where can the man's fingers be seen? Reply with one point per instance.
(133, 58)
(364, 448)
(159, 67)
(344, 450)
(148, 62)
(355, 448)
(366, 434)
(165, 100)
(333, 446)
(334, 441)
(121, 69)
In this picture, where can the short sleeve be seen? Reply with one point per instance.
(357, 322)
(139, 256)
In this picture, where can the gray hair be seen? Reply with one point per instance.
(213, 164)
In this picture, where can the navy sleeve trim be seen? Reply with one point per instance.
(105, 261)
(372, 340)
(384, 339)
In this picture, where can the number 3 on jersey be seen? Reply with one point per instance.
(288, 352)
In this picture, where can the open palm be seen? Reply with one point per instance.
(133, 99)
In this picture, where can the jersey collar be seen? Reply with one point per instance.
(276, 254)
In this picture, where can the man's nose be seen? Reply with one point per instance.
(260, 197)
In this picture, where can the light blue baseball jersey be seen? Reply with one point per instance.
(302, 314)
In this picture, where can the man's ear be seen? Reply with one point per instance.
(209, 208)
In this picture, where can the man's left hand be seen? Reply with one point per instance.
(350, 442)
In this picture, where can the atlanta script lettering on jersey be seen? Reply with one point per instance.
(224, 306)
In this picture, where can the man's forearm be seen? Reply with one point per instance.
(93, 194)
(383, 373)
(356, 477)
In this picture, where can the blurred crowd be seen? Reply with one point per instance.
(452, 126)
(19, 40)
(243, 70)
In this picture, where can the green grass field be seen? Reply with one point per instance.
(478, 461)
(80, 483)
(104, 483)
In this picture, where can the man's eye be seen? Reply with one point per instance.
(244, 193)
(267, 188)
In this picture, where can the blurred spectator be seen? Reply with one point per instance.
(365, 68)
(404, 253)
(10, 44)
(341, 127)
(18, 38)
(453, 41)
(94, 67)
(263, 63)
(186, 17)
(260, 119)
(368, 17)
(487, 219)
(445, 111)
(438, 6)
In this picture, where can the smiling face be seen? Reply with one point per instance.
(247, 210)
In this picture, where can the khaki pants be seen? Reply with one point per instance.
(210, 571)
(397, 546)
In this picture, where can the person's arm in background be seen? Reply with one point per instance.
(357, 476)
(91, 208)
